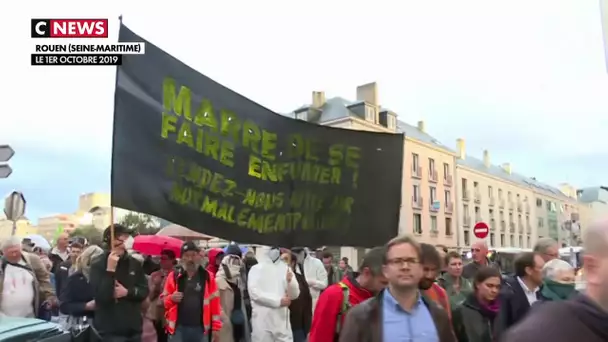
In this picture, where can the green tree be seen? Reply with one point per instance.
(92, 234)
(140, 223)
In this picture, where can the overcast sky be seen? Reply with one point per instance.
(525, 79)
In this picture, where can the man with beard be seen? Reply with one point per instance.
(192, 304)
(431, 265)
(583, 318)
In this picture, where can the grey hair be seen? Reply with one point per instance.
(13, 241)
(83, 262)
(553, 267)
(542, 245)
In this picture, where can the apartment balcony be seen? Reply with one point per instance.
(466, 195)
(433, 208)
(491, 201)
(417, 202)
(492, 225)
(512, 227)
(433, 176)
(519, 207)
(417, 172)
(449, 208)
(477, 197)
(503, 226)
(466, 221)
(501, 203)
(447, 180)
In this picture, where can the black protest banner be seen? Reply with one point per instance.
(193, 152)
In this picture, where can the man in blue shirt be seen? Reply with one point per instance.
(399, 313)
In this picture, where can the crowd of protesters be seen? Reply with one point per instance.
(403, 291)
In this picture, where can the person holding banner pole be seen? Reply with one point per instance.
(120, 287)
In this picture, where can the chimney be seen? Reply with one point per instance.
(421, 127)
(460, 147)
(318, 99)
(507, 167)
(368, 93)
(486, 158)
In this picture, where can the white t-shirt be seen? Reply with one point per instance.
(17, 292)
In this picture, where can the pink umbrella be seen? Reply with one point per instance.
(155, 244)
(184, 233)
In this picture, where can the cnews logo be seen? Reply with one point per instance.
(69, 28)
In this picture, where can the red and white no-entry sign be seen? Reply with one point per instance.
(481, 230)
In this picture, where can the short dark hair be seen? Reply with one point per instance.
(399, 240)
(451, 255)
(484, 273)
(429, 255)
(373, 260)
(327, 254)
(168, 253)
(522, 261)
(76, 244)
(345, 259)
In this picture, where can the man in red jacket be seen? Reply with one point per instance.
(338, 298)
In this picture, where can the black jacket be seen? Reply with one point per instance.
(471, 322)
(56, 260)
(76, 293)
(514, 306)
(578, 319)
(61, 276)
(118, 317)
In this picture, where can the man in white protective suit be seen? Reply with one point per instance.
(314, 272)
(272, 287)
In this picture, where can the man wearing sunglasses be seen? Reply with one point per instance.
(479, 251)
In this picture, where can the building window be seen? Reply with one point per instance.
(370, 114)
(446, 170)
(467, 238)
(492, 238)
(433, 224)
(464, 185)
(391, 121)
(433, 191)
(417, 224)
(416, 193)
(528, 244)
(541, 222)
(539, 202)
(499, 193)
(512, 240)
(465, 210)
(448, 226)
(448, 197)
(490, 191)
(502, 240)
(303, 115)
(509, 196)
(521, 242)
(415, 162)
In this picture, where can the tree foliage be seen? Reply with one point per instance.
(92, 234)
(140, 223)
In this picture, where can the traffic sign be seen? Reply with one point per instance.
(14, 206)
(6, 153)
(481, 230)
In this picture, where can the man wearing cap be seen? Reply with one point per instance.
(191, 298)
(120, 286)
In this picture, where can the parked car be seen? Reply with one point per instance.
(15, 329)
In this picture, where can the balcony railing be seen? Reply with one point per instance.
(466, 196)
(417, 172)
(417, 202)
(433, 176)
(447, 180)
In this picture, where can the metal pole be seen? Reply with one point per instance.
(14, 228)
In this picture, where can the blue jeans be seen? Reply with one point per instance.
(299, 335)
(188, 334)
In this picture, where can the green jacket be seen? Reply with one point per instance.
(456, 297)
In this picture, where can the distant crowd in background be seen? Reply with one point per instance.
(402, 291)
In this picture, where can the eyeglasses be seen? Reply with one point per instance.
(475, 250)
(403, 261)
